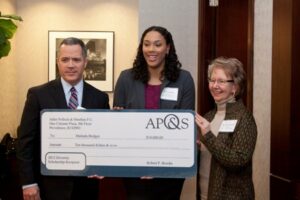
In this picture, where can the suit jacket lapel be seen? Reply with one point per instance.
(86, 96)
(164, 84)
(58, 94)
(85, 92)
(140, 95)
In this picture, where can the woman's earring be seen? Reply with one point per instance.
(233, 94)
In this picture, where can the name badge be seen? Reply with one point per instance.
(228, 126)
(170, 94)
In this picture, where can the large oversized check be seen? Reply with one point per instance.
(127, 143)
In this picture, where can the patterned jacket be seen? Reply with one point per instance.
(231, 164)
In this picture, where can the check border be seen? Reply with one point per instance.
(124, 171)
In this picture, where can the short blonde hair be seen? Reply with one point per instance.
(233, 68)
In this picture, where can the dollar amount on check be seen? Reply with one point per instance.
(128, 143)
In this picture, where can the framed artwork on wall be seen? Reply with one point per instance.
(100, 55)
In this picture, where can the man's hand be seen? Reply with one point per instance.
(95, 176)
(31, 193)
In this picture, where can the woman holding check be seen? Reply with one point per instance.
(156, 81)
(227, 136)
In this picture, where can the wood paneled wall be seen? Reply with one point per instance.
(225, 30)
(285, 110)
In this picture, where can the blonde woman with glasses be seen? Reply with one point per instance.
(227, 136)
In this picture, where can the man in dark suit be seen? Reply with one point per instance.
(71, 61)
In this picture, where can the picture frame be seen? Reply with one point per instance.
(100, 54)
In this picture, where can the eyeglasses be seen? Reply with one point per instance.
(219, 82)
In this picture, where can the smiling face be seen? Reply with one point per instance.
(71, 63)
(155, 50)
(219, 88)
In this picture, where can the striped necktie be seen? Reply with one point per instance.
(73, 101)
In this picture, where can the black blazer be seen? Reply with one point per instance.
(47, 96)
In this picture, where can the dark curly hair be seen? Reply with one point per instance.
(172, 64)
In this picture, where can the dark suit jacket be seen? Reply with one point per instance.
(46, 96)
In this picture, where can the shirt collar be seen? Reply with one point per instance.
(67, 86)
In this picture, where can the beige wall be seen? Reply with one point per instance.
(27, 64)
(181, 19)
(8, 86)
(120, 16)
(262, 95)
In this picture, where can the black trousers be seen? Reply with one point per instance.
(153, 189)
(69, 188)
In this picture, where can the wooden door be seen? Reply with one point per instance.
(225, 30)
(285, 109)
